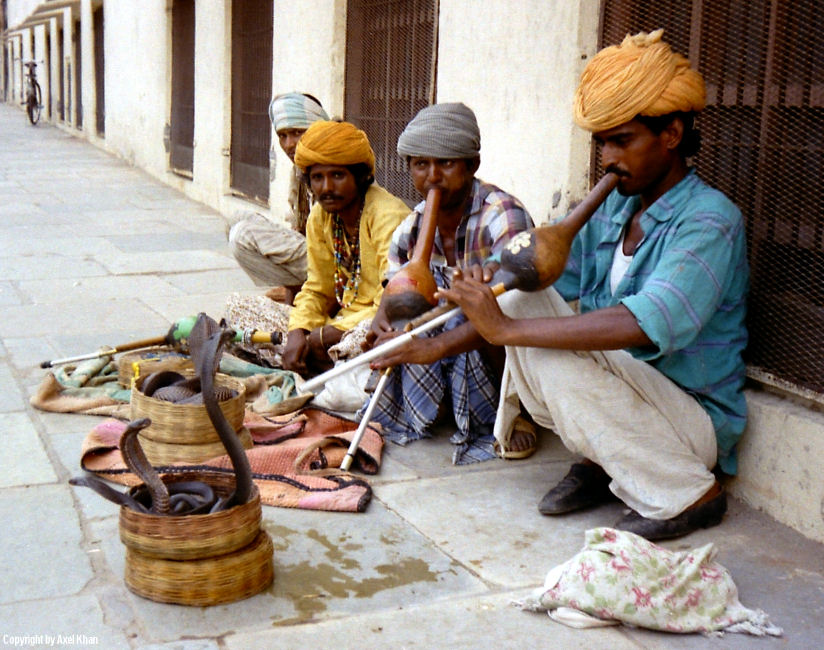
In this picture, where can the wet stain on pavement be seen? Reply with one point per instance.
(309, 583)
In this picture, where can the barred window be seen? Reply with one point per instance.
(390, 76)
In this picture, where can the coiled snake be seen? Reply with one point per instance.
(206, 343)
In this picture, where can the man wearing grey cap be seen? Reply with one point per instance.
(273, 253)
(452, 366)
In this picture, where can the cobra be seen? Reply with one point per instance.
(157, 496)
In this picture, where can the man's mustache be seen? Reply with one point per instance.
(330, 197)
(617, 171)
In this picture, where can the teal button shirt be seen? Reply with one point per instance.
(686, 285)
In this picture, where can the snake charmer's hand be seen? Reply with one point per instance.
(478, 303)
(294, 355)
(417, 350)
(318, 342)
(477, 272)
(379, 331)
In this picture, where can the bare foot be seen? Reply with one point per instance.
(285, 295)
(278, 294)
(521, 441)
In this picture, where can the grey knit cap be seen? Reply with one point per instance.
(442, 131)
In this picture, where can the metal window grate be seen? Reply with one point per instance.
(182, 117)
(98, 26)
(252, 22)
(763, 146)
(390, 75)
(78, 67)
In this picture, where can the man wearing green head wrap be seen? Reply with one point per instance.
(273, 253)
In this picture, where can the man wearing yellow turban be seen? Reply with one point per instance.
(645, 383)
(347, 239)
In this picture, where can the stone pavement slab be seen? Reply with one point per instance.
(42, 555)
(24, 460)
(466, 624)
(11, 399)
(327, 565)
(87, 290)
(78, 622)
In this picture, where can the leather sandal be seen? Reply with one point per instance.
(525, 428)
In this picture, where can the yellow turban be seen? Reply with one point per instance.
(641, 76)
(333, 143)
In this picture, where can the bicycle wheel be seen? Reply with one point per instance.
(34, 103)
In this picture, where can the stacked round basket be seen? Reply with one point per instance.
(198, 559)
(183, 433)
(194, 559)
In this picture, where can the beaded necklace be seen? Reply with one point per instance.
(350, 262)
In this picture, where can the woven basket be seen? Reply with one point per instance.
(198, 559)
(208, 581)
(141, 363)
(193, 536)
(166, 453)
(187, 424)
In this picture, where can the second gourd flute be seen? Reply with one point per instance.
(533, 260)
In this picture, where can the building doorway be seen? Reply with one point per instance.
(251, 93)
(391, 67)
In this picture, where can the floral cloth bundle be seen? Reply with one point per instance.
(620, 577)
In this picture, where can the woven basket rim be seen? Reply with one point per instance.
(188, 423)
(220, 379)
(125, 373)
(222, 482)
(159, 452)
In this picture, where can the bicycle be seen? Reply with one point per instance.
(34, 97)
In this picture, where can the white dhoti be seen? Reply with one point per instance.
(654, 440)
(272, 254)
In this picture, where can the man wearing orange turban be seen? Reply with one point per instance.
(645, 384)
(347, 238)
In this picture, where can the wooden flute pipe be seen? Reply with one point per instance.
(179, 330)
(411, 291)
(533, 260)
(378, 351)
(536, 258)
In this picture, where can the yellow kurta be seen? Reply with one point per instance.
(382, 212)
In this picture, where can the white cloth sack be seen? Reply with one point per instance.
(621, 577)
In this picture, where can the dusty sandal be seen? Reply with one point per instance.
(526, 430)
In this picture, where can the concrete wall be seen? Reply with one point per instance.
(69, 68)
(213, 93)
(18, 10)
(306, 60)
(780, 461)
(521, 94)
(136, 70)
(525, 60)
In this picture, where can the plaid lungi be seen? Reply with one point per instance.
(411, 401)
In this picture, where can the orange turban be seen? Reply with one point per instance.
(333, 143)
(641, 76)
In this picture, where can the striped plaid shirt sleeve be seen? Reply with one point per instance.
(497, 217)
(494, 217)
